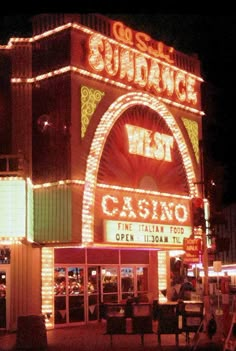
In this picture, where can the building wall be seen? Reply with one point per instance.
(21, 103)
(25, 285)
(5, 104)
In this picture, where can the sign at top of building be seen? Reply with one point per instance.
(136, 60)
(142, 42)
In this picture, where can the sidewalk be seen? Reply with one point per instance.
(92, 337)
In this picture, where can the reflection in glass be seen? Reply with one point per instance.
(127, 282)
(60, 281)
(142, 283)
(93, 301)
(75, 288)
(110, 298)
(142, 279)
(76, 280)
(5, 255)
(69, 298)
(109, 284)
(76, 308)
(2, 299)
(60, 292)
(92, 280)
(93, 307)
(60, 309)
(109, 279)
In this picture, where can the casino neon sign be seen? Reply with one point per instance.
(147, 208)
(145, 219)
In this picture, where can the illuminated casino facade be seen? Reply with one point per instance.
(102, 124)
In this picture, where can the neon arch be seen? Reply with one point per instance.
(106, 123)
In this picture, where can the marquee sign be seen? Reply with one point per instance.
(145, 233)
(140, 218)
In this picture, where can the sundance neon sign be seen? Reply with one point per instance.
(150, 144)
(140, 70)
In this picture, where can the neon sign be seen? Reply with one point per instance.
(147, 219)
(139, 69)
(141, 41)
(146, 143)
(151, 209)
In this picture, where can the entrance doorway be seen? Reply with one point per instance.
(82, 285)
(76, 294)
(69, 294)
(80, 290)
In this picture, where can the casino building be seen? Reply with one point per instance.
(99, 164)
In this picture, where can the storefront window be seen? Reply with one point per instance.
(93, 296)
(69, 294)
(60, 281)
(2, 299)
(92, 280)
(76, 280)
(5, 255)
(60, 295)
(142, 279)
(92, 286)
(76, 291)
(142, 283)
(127, 282)
(76, 308)
(109, 284)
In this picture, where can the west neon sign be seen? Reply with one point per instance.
(150, 144)
(141, 70)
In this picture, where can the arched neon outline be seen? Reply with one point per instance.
(107, 121)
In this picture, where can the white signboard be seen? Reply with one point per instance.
(145, 233)
(12, 208)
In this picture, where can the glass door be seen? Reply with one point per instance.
(134, 283)
(76, 294)
(60, 292)
(119, 283)
(5, 259)
(93, 293)
(109, 284)
(127, 282)
(69, 295)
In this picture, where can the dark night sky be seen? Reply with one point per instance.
(212, 37)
